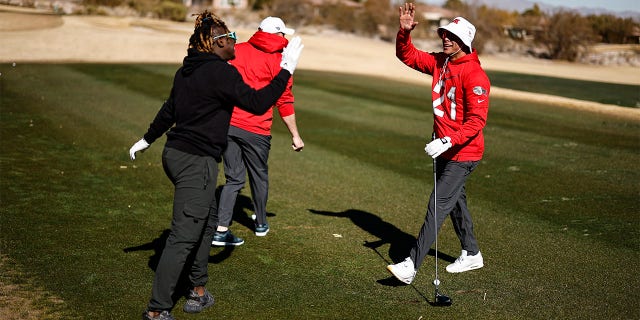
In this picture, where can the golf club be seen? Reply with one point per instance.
(439, 299)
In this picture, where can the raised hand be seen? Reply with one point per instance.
(407, 13)
(291, 54)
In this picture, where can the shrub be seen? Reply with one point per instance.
(567, 35)
(172, 11)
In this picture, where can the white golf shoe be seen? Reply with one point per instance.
(466, 263)
(403, 271)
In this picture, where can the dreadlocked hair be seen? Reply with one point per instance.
(203, 32)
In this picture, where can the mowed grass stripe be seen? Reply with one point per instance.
(86, 217)
(66, 198)
(555, 147)
(69, 206)
(556, 164)
(154, 81)
(383, 90)
(376, 89)
(89, 244)
(596, 91)
(564, 123)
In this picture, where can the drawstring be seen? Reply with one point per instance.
(440, 82)
(444, 69)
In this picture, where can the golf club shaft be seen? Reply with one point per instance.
(435, 213)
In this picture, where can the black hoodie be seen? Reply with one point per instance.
(205, 90)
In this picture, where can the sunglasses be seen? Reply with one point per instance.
(231, 35)
(446, 34)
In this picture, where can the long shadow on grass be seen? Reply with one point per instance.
(400, 241)
(158, 244)
(239, 215)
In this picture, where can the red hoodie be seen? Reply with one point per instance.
(258, 61)
(460, 100)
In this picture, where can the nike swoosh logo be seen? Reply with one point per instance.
(481, 101)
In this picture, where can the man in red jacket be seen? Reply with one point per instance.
(460, 105)
(249, 138)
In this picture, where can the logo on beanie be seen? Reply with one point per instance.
(456, 21)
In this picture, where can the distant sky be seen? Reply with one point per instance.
(613, 5)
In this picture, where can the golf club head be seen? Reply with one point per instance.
(441, 300)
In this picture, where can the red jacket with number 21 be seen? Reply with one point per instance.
(460, 97)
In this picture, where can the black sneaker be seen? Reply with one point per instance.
(226, 239)
(164, 315)
(262, 229)
(196, 303)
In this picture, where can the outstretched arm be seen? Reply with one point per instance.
(165, 118)
(407, 14)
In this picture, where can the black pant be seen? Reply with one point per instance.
(194, 209)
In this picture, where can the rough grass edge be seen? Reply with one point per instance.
(21, 299)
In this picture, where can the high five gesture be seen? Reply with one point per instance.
(407, 13)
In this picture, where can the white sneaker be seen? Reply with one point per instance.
(466, 263)
(403, 271)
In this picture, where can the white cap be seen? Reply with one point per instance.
(275, 25)
(462, 28)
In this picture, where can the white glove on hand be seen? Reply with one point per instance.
(438, 146)
(138, 146)
(291, 54)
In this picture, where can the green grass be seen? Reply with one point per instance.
(602, 92)
(555, 203)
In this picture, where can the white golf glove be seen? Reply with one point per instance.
(291, 54)
(438, 146)
(138, 146)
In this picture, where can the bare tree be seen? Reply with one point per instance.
(295, 12)
(489, 21)
(378, 18)
(566, 36)
(612, 29)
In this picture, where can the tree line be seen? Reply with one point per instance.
(564, 35)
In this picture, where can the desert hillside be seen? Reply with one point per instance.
(25, 37)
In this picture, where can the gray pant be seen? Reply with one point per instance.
(452, 199)
(194, 205)
(246, 153)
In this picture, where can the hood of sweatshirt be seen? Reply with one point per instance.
(268, 42)
(472, 57)
(195, 59)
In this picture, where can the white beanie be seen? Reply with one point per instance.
(462, 28)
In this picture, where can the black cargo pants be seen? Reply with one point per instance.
(194, 210)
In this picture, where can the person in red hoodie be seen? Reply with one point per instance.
(460, 95)
(249, 137)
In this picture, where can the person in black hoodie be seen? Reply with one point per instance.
(196, 116)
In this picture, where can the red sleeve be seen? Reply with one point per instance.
(411, 56)
(476, 97)
(285, 103)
